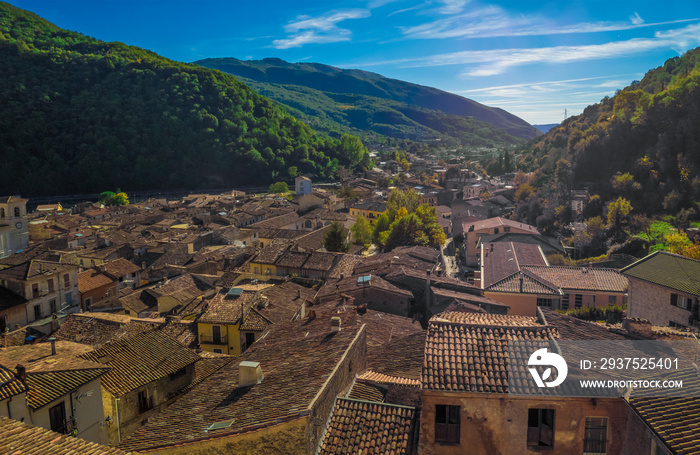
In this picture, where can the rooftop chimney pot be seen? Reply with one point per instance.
(249, 373)
(336, 322)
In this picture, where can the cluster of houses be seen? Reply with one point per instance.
(220, 324)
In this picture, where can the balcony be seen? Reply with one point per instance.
(208, 339)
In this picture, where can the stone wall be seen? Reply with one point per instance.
(653, 302)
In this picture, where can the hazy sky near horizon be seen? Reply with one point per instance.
(533, 59)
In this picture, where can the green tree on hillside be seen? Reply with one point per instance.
(361, 231)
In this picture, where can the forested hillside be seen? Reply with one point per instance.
(338, 100)
(81, 115)
(642, 144)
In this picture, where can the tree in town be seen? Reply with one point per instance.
(335, 239)
(361, 231)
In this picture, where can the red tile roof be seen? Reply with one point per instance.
(368, 427)
(292, 360)
(10, 385)
(472, 355)
(92, 279)
(582, 278)
(20, 438)
(139, 360)
(675, 420)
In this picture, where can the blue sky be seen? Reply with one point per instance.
(533, 59)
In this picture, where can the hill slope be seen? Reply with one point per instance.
(647, 133)
(370, 102)
(80, 115)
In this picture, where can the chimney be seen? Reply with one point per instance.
(249, 373)
(53, 345)
(298, 293)
(21, 373)
(302, 311)
(335, 324)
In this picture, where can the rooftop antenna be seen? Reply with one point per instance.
(565, 113)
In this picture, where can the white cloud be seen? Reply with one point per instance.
(452, 6)
(493, 21)
(317, 30)
(497, 61)
(636, 19)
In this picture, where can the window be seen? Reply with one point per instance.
(66, 280)
(216, 334)
(88, 302)
(50, 282)
(681, 301)
(547, 303)
(540, 428)
(145, 402)
(17, 215)
(2, 213)
(506, 229)
(218, 351)
(37, 312)
(578, 301)
(69, 299)
(565, 302)
(52, 305)
(595, 438)
(249, 340)
(612, 299)
(35, 290)
(3, 323)
(57, 418)
(447, 424)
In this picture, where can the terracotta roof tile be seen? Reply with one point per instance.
(93, 279)
(366, 391)
(49, 386)
(386, 379)
(368, 427)
(139, 360)
(675, 420)
(254, 321)
(524, 282)
(21, 438)
(121, 267)
(472, 355)
(10, 385)
(582, 278)
(291, 358)
(284, 301)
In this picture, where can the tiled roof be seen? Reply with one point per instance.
(183, 288)
(504, 259)
(295, 365)
(675, 420)
(381, 327)
(269, 233)
(254, 321)
(570, 328)
(37, 358)
(284, 301)
(292, 259)
(466, 297)
(49, 386)
(498, 221)
(321, 261)
(139, 360)
(372, 206)
(400, 356)
(373, 376)
(138, 301)
(276, 222)
(350, 284)
(346, 264)
(524, 282)
(20, 438)
(368, 427)
(92, 279)
(121, 267)
(669, 270)
(366, 391)
(272, 251)
(225, 310)
(10, 385)
(312, 241)
(34, 268)
(582, 278)
(472, 355)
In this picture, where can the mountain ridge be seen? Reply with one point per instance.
(329, 79)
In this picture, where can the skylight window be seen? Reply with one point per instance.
(220, 425)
